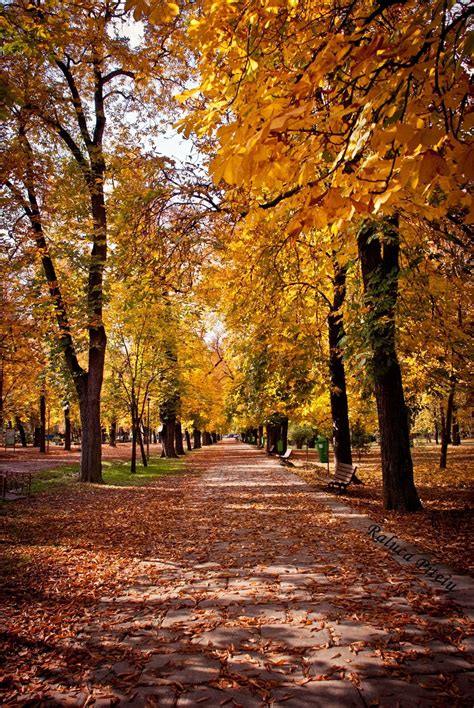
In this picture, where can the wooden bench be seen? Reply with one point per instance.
(14, 485)
(343, 476)
(284, 459)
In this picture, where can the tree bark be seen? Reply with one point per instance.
(142, 446)
(338, 391)
(168, 437)
(91, 439)
(21, 430)
(133, 462)
(113, 434)
(456, 435)
(188, 439)
(179, 438)
(380, 269)
(446, 422)
(42, 435)
(67, 427)
(197, 444)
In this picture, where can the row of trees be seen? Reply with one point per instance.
(348, 126)
(114, 227)
(333, 241)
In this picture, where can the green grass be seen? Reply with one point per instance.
(115, 473)
(118, 474)
(52, 480)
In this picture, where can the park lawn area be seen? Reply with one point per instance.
(65, 524)
(115, 473)
(444, 526)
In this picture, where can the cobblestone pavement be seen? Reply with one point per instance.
(264, 597)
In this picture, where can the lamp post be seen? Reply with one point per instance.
(148, 429)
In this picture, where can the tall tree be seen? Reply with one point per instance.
(69, 67)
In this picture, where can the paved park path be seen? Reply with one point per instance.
(274, 601)
(251, 589)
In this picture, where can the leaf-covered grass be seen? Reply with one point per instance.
(116, 473)
(445, 522)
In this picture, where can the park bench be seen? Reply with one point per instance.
(285, 458)
(343, 476)
(14, 485)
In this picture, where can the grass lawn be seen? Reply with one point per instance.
(116, 473)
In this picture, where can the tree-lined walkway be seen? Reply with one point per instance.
(249, 592)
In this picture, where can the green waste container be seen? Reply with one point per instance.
(280, 446)
(322, 446)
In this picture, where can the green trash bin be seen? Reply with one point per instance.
(280, 446)
(322, 445)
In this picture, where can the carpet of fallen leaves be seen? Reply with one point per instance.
(445, 524)
(66, 554)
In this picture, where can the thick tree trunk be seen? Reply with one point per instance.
(188, 439)
(206, 438)
(21, 429)
(91, 440)
(67, 427)
(179, 438)
(113, 434)
(272, 437)
(214, 436)
(380, 269)
(42, 435)
(168, 436)
(197, 444)
(260, 436)
(338, 392)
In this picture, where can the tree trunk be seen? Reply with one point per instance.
(436, 431)
(113, 434)
(21, 430)
(188, 439)
(67, 427)
(91, 438)
(380, 269)
(133, 462)
(456, 435)
(197, 444)
(272, 436)
(260, 436)
(1, 394)
(142, 447)
(338, 392)
(446, 422)
(179, 438)
(214, 437)
(42, 435)
(168, 436)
